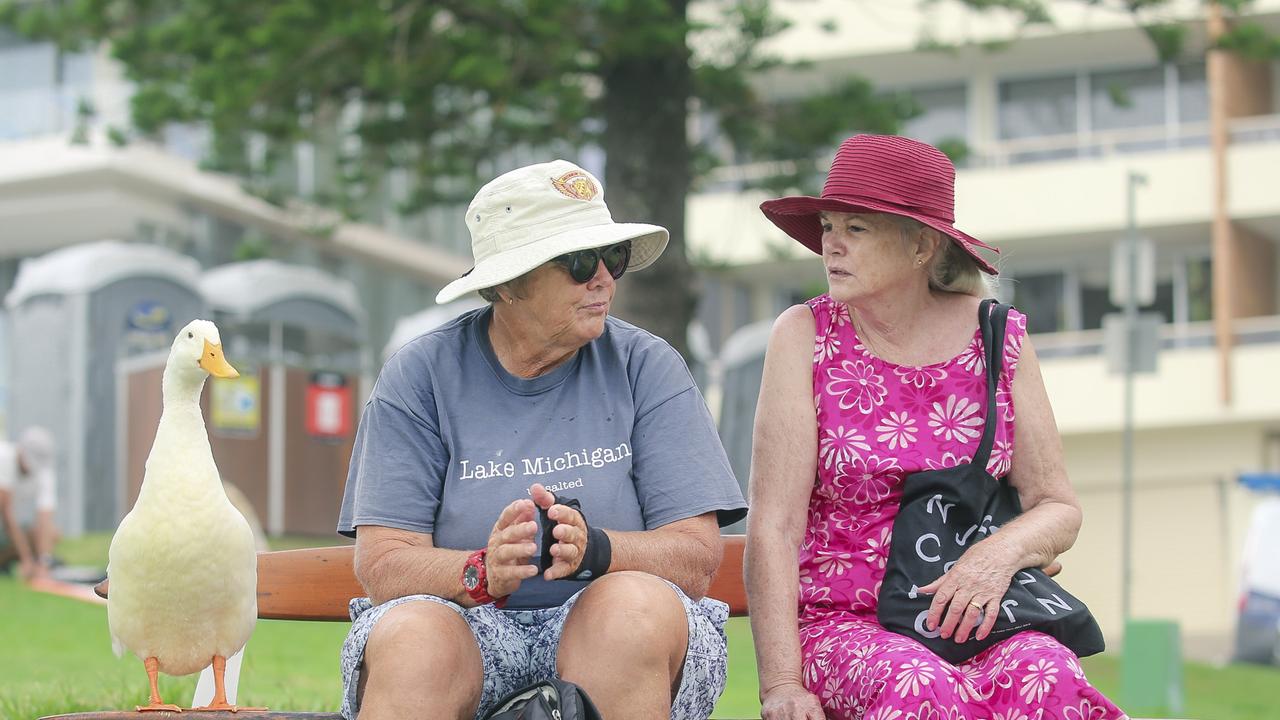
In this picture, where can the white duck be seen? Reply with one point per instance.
(183, 572)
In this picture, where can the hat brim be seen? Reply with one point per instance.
(797, 216)
(647, 244)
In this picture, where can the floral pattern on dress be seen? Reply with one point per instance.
(856, 385)
(877, 423)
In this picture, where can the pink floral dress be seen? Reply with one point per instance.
(877, 423)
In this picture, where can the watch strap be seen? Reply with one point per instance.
(480, 593)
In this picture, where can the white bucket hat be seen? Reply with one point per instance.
(36, 445)
(523, 218)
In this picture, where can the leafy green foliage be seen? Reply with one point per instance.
(1252, 41)
(954, 148)
(1168, 39)
(793, 130)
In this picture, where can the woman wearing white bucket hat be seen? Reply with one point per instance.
(481, 431)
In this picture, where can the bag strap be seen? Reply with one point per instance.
(992, 318)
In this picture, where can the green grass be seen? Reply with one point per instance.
(60, 661)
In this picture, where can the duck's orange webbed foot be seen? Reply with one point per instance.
(155, 704)
(219, 701)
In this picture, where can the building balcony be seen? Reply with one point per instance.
(1046, 195)
(1183, 392)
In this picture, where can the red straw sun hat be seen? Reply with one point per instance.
(880, 174)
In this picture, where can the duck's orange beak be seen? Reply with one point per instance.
(214, 363)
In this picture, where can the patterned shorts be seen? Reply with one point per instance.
(518, 648)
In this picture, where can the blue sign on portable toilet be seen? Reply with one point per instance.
(1264, 481)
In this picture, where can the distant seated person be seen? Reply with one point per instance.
(27, 502)
(476, 428)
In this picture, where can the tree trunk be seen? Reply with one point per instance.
(647, 177)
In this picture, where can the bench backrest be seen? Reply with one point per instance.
(316, 583)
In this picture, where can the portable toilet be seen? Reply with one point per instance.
(76, 317)
(742, 368)
(424, 321)
(287, 424)
(702, 359)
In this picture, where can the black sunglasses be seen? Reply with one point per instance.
(582, 264)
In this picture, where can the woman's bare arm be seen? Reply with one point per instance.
(783, 465)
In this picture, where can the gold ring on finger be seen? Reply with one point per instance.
(976, 605)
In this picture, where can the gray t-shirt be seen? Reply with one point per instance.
(449, 438)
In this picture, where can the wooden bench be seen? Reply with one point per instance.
(317, 583)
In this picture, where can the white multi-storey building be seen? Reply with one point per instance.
(1054, 124)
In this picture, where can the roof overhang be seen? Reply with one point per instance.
(54, 193)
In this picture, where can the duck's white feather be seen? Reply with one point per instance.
(183, 568)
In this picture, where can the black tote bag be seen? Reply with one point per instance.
(943, 512)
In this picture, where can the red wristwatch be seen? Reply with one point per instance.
(476, 582)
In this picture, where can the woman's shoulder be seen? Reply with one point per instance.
(799, 320)
(962, 306)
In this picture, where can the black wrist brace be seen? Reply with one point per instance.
(597, 554)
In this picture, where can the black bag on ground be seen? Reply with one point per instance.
(945, 511)
(551, 699)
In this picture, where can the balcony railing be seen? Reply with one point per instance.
(1084, 343)
(1095, 144)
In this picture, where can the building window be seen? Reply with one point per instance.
(1197, 290)
(28, 65)
(40, 88)
(944, 115)
(1090, 113)
(1127, 98)
(1043, 299)
(1038, 107)
(1095, 302)
(1193, 93)
(1184, 293)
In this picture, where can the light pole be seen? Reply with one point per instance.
(1136, 179)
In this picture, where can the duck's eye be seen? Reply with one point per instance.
(191, 335)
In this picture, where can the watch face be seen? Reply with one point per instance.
(471, 577)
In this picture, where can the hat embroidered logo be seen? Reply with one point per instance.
(575, 184)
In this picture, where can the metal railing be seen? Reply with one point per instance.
(1070, 146)
(1083, 343)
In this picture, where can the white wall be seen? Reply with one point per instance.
(1189, 523)
(1183, 393)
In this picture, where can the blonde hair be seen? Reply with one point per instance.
(951, 269)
